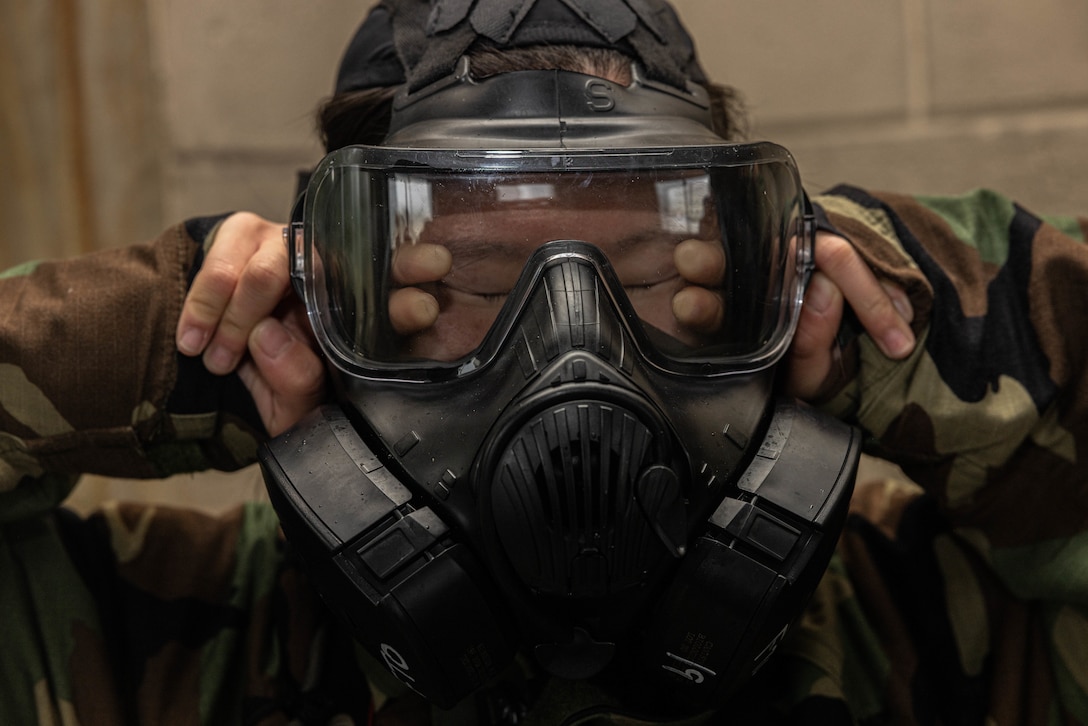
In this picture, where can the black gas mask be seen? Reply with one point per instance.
(552, 307)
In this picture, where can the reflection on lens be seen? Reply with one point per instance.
(701, 255)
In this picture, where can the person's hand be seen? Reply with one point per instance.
(842, 278)
(283, 373)
(239, 303)
(412, 309)
(698, 306)
(242, 280)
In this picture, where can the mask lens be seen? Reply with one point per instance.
(411, 266)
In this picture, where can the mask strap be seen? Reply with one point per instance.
(431, 39)
(427, 56)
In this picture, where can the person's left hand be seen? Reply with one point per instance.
(843, 278)
(240, 315)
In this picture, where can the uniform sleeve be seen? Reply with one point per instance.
(90, 380)
(141, 613)
(989, 413)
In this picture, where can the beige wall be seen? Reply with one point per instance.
(79, 126)
(241, 82)
(915, 95)
(908, 95)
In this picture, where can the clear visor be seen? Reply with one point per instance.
(407, 257)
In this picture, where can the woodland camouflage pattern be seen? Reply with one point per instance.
(960, 596)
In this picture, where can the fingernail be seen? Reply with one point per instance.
(218, 359)
(273, 339)
(191, 341)
(820, 293)
(899, 299)
(898, 343)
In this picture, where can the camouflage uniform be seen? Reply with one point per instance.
(960, 599)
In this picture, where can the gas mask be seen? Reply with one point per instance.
(552, 308)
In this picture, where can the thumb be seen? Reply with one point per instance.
(811, 363)
(287, 379)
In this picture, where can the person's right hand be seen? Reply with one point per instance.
(240, 315)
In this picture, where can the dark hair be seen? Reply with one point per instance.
(362, 117)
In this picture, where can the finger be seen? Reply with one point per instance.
(698, 309)
(700, 262)
(414, 264)
(262, 280)
(292, 314)
(238, 240)
(899, 299)
(284, 375)
(883, 311)
(212, 288)
(412, 310)
(262, 284)
(811, 362)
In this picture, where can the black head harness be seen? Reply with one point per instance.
(415, 42)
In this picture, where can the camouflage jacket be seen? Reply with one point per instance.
(959, 596)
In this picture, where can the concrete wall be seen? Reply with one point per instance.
(907, 95)
(916, 95)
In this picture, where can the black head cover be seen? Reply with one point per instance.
(420, 41)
